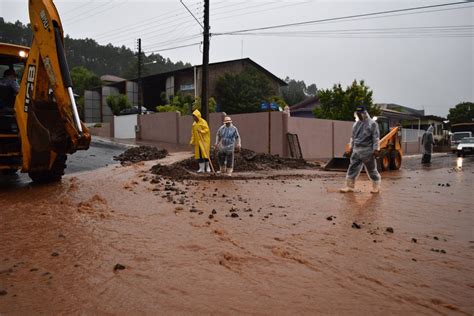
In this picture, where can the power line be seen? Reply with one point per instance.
(80, 15)
(184, 39)
(191, 14)
(256, 11)
(170, 48)
(338, 18)
(81, 6)
(452, 29)
(163, 30)
(74, 21)
(129, 27)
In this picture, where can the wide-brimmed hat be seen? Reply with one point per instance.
(227, 119)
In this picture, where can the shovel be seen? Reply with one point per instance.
(201, 146)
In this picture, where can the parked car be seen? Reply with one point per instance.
(466, 147)
(456, 138)
(134, 110)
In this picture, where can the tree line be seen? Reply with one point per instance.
(87, 53)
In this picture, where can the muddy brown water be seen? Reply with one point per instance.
(291, 248)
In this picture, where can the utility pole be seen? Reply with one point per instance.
(139, 76)
(205, 63)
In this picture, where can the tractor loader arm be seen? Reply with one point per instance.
(389, 137)
(46, 111)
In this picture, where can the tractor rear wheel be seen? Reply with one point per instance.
(53, 175)
(384, 161)
(395, 160)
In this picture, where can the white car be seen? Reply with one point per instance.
(456, 139)
(466, 147)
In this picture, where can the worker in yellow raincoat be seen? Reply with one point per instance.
(201, 139)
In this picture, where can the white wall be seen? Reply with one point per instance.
(411, 135)
(124, 126)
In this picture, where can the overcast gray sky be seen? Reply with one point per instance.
(422, 59)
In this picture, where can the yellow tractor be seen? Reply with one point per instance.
(39, 123)
(391, 152)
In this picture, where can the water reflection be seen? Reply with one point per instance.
(459, 163)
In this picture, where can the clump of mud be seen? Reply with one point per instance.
(244, 161)
(141, 153)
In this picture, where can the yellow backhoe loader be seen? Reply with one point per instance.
(391, 152)
(40, 124)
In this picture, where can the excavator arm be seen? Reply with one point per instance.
(46, 111)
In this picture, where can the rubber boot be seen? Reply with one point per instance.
(201, 167)
(229, 172)
(222, 169)
(208, 168)
(349, 186)
(375, 187)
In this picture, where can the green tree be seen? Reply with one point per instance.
(312, 90)
(84, 79)
(278, 100)
(462, 113)
(340, 104)
(100, 59)
(211, 104)
(184, 104)
(294, 92)
(243, 92)
(118, 103)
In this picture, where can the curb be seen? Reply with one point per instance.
(108, 142)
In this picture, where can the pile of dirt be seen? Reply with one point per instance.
(141, 153)
(244, 161)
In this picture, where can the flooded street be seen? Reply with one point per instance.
(119, 240)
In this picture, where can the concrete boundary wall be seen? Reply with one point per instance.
(101, 130)
(161, 127)
(254, 130)
(321, 139)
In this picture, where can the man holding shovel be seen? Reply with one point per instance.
(227, 139)
(201, 140)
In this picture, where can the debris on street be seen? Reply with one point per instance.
(245, 161)
(141, 153)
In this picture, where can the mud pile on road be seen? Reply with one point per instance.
(244, 161)
(141, 153)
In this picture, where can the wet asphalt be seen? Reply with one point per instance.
(100, 154)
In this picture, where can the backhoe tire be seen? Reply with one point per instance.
(395, 160)
(53, 175)
(384, 160)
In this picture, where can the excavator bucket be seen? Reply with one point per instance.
(337, 164)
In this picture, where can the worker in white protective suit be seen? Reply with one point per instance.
(364, 150)
(427, 142)
(227, 140)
